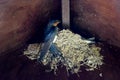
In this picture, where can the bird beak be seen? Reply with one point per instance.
(56, 23)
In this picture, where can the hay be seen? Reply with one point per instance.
(76, 53)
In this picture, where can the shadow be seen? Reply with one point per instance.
(16, 66)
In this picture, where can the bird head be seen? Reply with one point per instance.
(54, 23)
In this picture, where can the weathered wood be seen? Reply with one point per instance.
(20, 18)
(66, 13)
(99, 17)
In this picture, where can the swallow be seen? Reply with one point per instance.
(50, 36)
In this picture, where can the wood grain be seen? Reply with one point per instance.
(19, 19)
(99, 17)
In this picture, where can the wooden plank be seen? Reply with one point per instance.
(66, 13)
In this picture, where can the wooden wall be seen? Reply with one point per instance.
(99, 17)
(19, 19)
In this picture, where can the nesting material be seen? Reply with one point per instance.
(76, 52)
(32, 51)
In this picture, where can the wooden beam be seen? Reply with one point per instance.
(66, 13)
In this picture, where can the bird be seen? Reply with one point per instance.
(89, 40)
(50, 36)
(55, 51)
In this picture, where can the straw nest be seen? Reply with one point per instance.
(76, 52)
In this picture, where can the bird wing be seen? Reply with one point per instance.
(46, 45)
(55, 51)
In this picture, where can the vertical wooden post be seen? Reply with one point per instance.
(66, 13)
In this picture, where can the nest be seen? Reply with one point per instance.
(76, 52)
